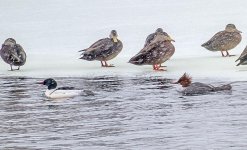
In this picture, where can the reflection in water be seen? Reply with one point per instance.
(124, 113)
(15, 88)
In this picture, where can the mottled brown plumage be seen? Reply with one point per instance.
(12, 53)
(152, 36)
(157, 52)
(103, 50)
(224, 40)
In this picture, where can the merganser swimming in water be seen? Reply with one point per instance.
(13, 54)
(198, 88)
(157, 52)
(224, 40)
(62, 92)
(104, 49)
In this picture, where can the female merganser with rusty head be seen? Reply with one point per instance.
(157, 52)
(198, 88)
(13, 54)
(224, 40)
(103, 50)
(61, 92)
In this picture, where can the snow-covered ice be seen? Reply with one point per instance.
(52, 32)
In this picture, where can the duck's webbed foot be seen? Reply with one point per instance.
(222, 54)
(106, 65)
(158, 68)
(228, 55)
(162, 66)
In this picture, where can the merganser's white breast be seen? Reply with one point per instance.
(55, 93)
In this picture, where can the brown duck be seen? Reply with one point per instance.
(103, 50)
(13, 54)
(157, 52)
(224, 40)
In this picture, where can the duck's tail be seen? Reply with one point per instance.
(88, 56)
(137, 60)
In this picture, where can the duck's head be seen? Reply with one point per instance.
(50, 83)
(10, 42)
(185, 80)
(232, 28)
(114, 35)
(159, 30)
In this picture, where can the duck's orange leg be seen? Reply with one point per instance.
(222, 53)
(157, 68)
(162, 66)
(106, 65)
(102, 64)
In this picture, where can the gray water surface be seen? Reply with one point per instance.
(124, 113)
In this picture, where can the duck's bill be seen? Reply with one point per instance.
(171, 39)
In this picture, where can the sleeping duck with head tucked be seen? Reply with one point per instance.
(151, 36)
(13, 54)
(224, 40)
(103, 50)
(159, 50)
(197, 88)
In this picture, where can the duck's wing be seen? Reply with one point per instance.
(149, 39)
(216, 37)
(100, 44)
(144, 56)
(19, 53)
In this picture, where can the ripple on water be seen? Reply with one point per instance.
(124, 113)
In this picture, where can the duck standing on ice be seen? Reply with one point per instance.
(242, 58)
(198, 88)
(104, 49)
(61, 92)
(224, 40)
(158, 51)
(13, 54)
(151, 37)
